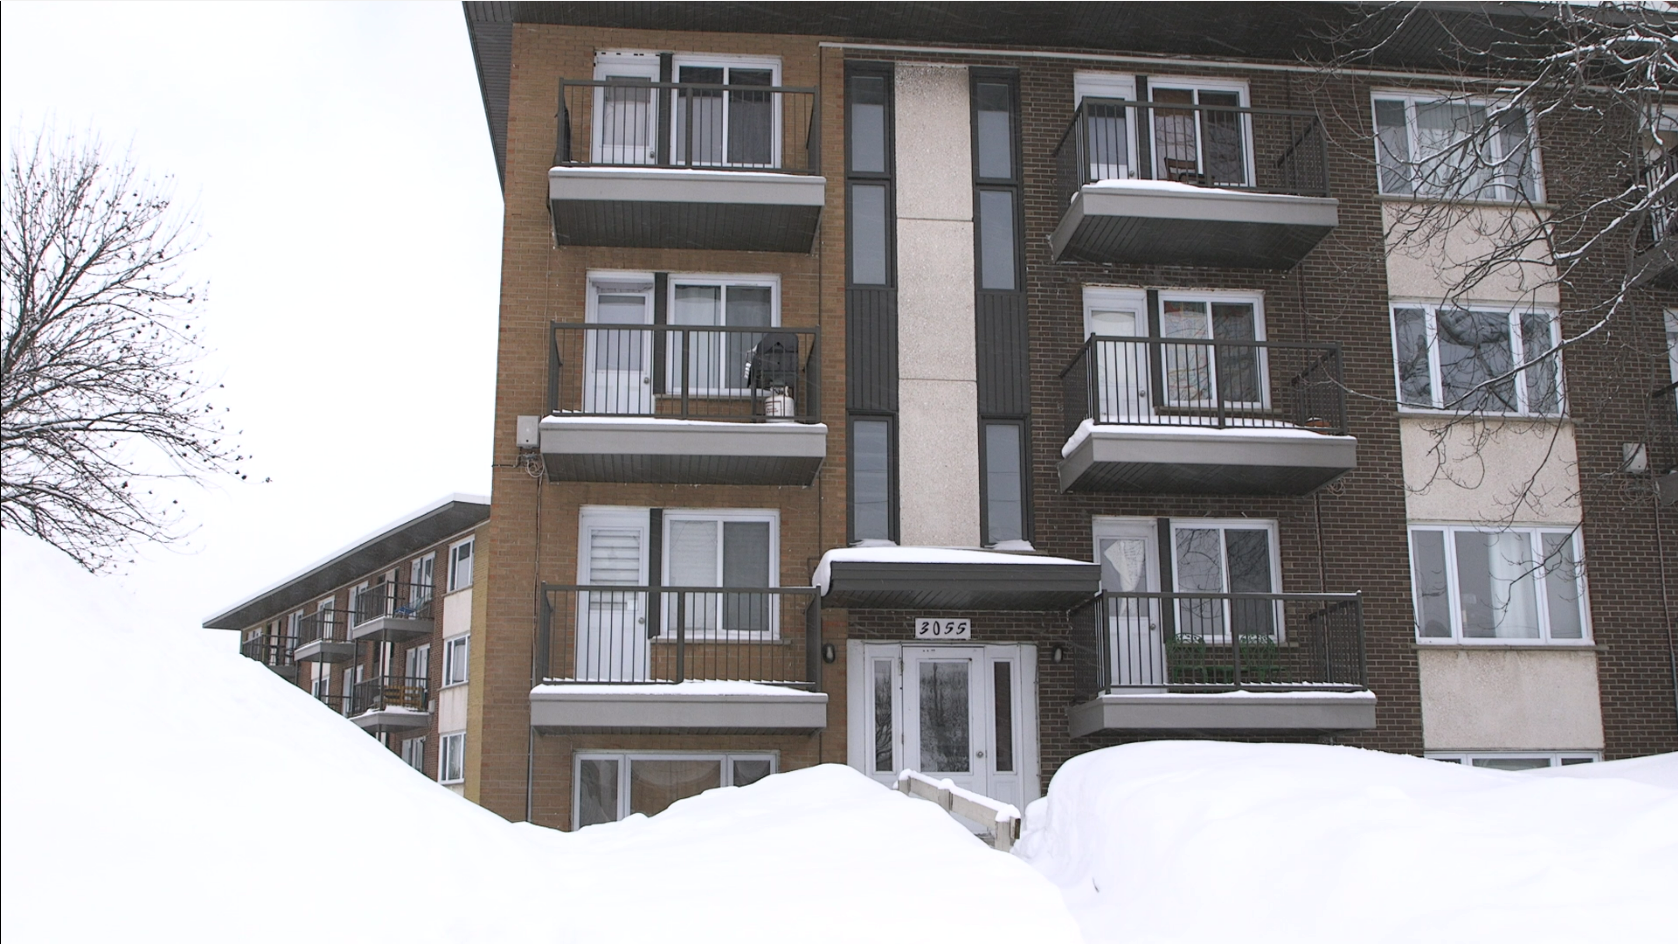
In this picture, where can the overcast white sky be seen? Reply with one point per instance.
(337, 158)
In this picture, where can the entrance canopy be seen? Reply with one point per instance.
(947, 578)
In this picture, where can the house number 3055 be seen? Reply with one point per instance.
(943, 629)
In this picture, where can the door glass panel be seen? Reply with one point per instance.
(1004, 704)
(1200, 570)
(597, 792)
(883, 690)
(748, 306)
(1188, 374)
(1108, 141)
(693, 563)
(745, 563)
(1224, 158)
(751, 118)
(697, 369)
(655, 784)
(1249, 572)
(626, 121)
(1174, 136)
(1238, 367)
(698, 124)
(946, 737)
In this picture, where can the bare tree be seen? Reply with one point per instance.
(1490, 225)
(99, 402)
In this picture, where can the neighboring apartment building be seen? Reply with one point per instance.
(382, 632)
(963, 387)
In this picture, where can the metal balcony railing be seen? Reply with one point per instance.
(395, 598)
(1660, 177)
(744, 374)
(690, 125)
(390, 692)
(1219, 642)
(336, 702)
(1218, 384)
(273, 651)
(675, 634)
(328, 625)
(1266, 150)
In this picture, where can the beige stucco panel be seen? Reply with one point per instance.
(451, 709)
(457, 613)
(934, 161)
(938, 436)
(935, 335)
(1494, 470)
(1509, 700)
(1422, 266)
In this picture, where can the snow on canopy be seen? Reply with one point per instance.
(1202, 841)
(157, 785)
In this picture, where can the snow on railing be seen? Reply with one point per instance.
(1003, 818)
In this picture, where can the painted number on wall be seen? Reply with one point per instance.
(943, 629)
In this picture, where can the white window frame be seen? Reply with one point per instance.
(1210, 298)
(626, 758)
(1493, 192)
(1196, 84)
(1554, 758)
(770, 516)
(1517, 354)
(457, 653)
(422, 572)
(625, 64)
(1272, 530)
(1113, 85)
(451, 751)
(454, 563)
(672, 368)
(356, 592)
(1453, 592)
(772, 63)
(418, 654)
(413, 752)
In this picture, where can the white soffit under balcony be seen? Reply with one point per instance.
(1225, 711)
(693, 707)
(681, 185)
(1271, 460)
(386, 720)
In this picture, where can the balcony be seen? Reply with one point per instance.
(681, 404)
(1209, 662)
(1656, 247)
(1207, 417)
(685, 165)
(275, 652)
(323, 636)
(1663, 442)
(391, 612)
(691, 660)
(1196, 185)
(391, 703)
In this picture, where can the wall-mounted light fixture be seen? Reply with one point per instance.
(829, 652)
(1057, 654)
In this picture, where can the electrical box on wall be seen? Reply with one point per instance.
(529, 432)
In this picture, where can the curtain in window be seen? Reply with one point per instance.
(1495, 578)
(1474, 347)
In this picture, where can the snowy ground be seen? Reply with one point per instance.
(158, 787)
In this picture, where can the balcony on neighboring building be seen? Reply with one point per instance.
(1190, 415)
(687, 165)
(1220, 662)
(390, 704)
(323, 636)
(712, 405)
(1663, 442)
(395, 611)
(690, 660)
(275, 652)
(1191, 184)
(1656, 245)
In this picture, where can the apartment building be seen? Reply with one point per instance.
(963, 387)
(382, 632)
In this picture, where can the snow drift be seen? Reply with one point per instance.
(1205, 841)
(158, 786)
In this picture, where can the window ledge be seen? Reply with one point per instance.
(1521, 646)
(444, 688)
(1511, 204)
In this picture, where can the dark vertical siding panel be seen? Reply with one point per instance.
(1004, 365)
(871, 349)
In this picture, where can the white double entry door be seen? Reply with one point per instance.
(966, 713)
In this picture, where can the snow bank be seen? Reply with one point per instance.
(892, 554)
(156, 786)
(1206, 841)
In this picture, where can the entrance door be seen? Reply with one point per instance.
(1121, 365)
(612, 641)
(619, 379)
(1128, 551)
(965, 713)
